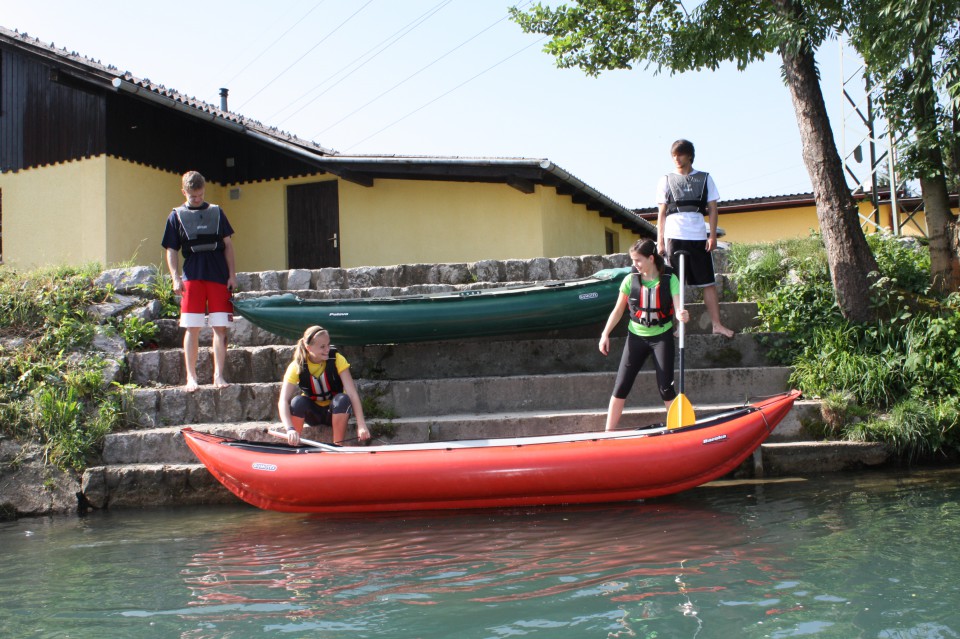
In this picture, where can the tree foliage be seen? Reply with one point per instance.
(912, 51)
(598, 35)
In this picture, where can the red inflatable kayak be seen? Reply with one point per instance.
(521, 471)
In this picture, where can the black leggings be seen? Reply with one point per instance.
(635, 353)
(314, 415)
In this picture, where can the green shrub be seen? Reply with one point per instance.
(137, 332)
(914, 428)
(905, 365)
(49, 391)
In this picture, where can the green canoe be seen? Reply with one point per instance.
(419, 318)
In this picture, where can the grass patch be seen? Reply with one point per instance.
(52, 389)
(892, 379)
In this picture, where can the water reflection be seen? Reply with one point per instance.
(643, 560)
(850, 556)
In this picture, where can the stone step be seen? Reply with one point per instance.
(251, 364)
(574, 391)
(139, 485)
(166, 445)
(170, 406)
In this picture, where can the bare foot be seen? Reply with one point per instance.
(220, 383)
(723, 330)
(191, 386)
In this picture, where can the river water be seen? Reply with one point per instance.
(867, 555)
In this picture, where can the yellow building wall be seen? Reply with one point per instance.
(113, 212)
(777, 224)
(408, 221)
(398, 221)
(138, 201)
(53, 215)
(259, 220)
(571, 229)
(769, 225)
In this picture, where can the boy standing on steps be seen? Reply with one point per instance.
(202, 231)
(683, 198)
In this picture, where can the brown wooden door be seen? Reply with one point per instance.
(313, 225)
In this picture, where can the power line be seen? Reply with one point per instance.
(395, 37)
(411, 76)
(442, 95)
(272, 44)
(322, 40)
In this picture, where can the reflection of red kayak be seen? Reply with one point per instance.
(520, 471)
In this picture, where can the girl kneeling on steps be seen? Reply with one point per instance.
(651, 294)
(318, 389)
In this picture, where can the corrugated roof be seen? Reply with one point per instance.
(93, 69)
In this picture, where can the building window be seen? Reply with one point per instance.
(611, 242)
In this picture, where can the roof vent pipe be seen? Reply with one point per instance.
(223, 99)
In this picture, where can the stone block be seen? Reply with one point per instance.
(327, 278)
(298, 279)
(270, 281)
(538, 270)
(488, 271)
(567, 268)
(515, 270)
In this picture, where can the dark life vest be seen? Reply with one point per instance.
(650, 306)
(322, 388)
(687, 193)
(199, 229)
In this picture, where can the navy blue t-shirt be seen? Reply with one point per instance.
(208, 265)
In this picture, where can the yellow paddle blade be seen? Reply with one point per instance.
(681, 413)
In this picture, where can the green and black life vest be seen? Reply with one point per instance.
(687, 193)
(200, 229)
(322, 388)
(651, 306)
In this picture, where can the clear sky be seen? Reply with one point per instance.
(449, 78)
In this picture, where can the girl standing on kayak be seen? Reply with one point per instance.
(652, 295)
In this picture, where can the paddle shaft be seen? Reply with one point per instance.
(308, 442)
(683, 259)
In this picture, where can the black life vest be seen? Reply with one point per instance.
(651, 306)
(322, 388)
(199, 229)
(687, 193)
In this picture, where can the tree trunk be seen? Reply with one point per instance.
(941, 226)
(848, 254)
(941, 229)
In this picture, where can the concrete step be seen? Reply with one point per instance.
(250, 364)
(568, 392)
(166, 445)
(151, 484)
(170, 406)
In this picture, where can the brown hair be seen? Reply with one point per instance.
(192, 181)
(683, 147)
(648, 248)
(300, 354)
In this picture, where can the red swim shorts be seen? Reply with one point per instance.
(201, 298)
